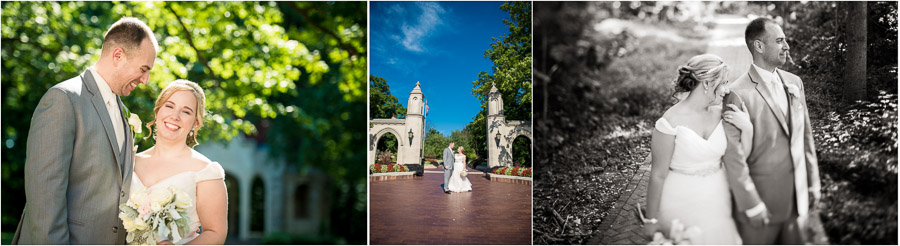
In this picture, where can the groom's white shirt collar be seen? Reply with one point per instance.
(112, 106)
(105, 91)
(767, 76)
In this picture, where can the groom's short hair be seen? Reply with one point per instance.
(755, 30)
(128, 33)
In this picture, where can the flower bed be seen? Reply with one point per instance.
(514, 171)
(379, 168)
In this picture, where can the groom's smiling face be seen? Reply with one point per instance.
(133, 68)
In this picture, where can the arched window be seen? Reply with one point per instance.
(258, 205)
(234, 204)
(521, 149)
(301, 202)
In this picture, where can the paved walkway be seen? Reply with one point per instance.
(727, 41)
(622, 225)
(416, 211)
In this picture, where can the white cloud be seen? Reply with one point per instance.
(415, 34)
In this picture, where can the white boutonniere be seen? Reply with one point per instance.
(134, 121)
(793, 90)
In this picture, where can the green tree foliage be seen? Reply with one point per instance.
(511, 74)
(387, 142)
(383, 105)
(289, 74)
(324, 133)
(462, 138)
(522, 151)
(435, 142)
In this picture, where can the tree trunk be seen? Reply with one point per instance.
(855, 78)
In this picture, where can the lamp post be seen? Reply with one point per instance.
(410, 136)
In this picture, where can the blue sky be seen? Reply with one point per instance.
(439, 44)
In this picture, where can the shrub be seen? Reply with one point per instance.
(857, 152)
(385, 158)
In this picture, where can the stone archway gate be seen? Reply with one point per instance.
(409, 131)
(501, 133)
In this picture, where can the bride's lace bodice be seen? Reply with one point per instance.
(694, 155)
(187, 182)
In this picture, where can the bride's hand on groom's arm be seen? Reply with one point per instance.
(738, 117)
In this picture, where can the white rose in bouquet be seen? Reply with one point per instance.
(182, 200)
(159, 198)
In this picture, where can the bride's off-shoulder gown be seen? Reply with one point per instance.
(696, 190)
(187, 182)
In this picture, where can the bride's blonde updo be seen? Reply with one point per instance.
(183, 85)
(705, 70)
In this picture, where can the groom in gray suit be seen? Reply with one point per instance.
(773, 184)
(80, 146)
(448, 160)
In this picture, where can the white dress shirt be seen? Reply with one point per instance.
(112, 106)
(776, 87)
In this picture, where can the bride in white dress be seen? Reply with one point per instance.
(179, 112)
(688, 182)
(458, 183)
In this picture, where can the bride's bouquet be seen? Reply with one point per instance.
(679, 234)
(151, 216)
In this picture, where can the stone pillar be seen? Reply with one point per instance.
(415, 122)
(245, 181)
(275, 197)
(496, 124)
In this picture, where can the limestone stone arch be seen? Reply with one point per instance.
(501, 133)
(520, 128)
(380, 128)
(409, 131)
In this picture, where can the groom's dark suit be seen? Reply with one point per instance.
(75, 173)
(780, 169)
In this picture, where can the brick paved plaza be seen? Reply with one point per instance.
(416, 211)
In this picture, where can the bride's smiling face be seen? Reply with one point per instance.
(177, 116)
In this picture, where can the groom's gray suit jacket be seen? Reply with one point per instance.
(782, 166)
(75, 173)
(448, 165)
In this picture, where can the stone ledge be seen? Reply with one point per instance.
(508, 179)
(392, 176)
